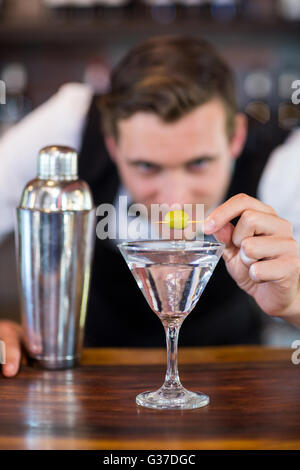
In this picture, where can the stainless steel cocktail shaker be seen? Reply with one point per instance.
(55, 234)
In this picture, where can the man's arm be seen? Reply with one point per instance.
(59, 120)
(279, 186)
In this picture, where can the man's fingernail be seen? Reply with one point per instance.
(209, 225)
(10, 368)
(246, 260)
(252, 273)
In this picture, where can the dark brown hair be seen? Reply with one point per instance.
(169, 76)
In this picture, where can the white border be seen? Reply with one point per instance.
(2, 352)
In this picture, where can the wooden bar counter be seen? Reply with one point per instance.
(254, 391)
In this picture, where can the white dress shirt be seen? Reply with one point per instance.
(60, 121)
(279, 185)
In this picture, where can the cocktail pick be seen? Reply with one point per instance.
(178, 219)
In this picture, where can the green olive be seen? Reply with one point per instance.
(177, 219)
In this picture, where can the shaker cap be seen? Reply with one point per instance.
(58, 163)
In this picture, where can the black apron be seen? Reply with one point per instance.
(118, 314)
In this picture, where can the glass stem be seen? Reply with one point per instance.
(172, 378)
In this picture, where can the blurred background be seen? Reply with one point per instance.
(45, 43)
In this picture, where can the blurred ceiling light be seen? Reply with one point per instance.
(289, 9)
(191, 3)
(83, 3)
(15, 77)
(111, 3)
(58, 3)
(159, 3)
(258, 84)
(97, 75)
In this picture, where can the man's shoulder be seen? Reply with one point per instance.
(74, 96)
(75, 89)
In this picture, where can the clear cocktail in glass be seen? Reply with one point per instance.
(172, 274)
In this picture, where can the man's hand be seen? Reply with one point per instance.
(11, 334)
(261, 254)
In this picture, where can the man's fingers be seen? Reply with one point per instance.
(224, 235)
(10, 334)
(256, 248)
(283, 267)
(260, 223)
(233, 208)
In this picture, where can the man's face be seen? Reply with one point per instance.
(186, 162)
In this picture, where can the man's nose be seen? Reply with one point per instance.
(174, 189)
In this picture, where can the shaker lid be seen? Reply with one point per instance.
(58, 163)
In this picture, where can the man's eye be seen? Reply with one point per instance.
(199, 164)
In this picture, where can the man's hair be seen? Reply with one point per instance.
(169, 76)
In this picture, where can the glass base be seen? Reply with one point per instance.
(181, 399)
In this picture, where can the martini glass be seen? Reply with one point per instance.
(172, 274)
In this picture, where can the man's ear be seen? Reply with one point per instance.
(240, 134)
(111, 146)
